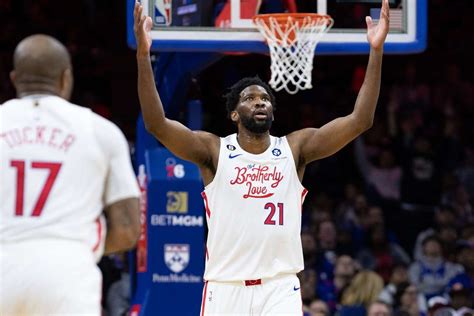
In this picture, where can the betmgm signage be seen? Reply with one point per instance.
(177, 212)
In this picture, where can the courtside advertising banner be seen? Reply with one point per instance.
(170, 252)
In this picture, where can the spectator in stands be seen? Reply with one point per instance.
(448, 236)
(346, 243)
(451, 150)
(379, 308)
(461, 296)
(308, 281)
(309, 249)
(363, 290)
(468, 235)
(318, 308)
(432, 273)
(347, 215)
(465, 171)
(326, 249)
(383, 178)
(444, 216)
(399, 275)
(440, 306)
(421, 180)
(411, 91)
(381, 255)
(462, 206)
(374, 216)
(330, 290)
(402, 128)
(461, 287)
(406, 300)
(118, 296)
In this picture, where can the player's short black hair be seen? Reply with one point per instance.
(233, 96)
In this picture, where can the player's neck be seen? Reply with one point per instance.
(24, 92)
(253, 143)
(36, 88)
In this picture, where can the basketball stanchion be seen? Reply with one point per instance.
(292, 40)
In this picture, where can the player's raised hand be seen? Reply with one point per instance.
(142, 27)
(376, 34)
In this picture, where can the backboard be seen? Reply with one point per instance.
(226, 25)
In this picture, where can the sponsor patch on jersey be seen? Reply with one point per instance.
(276, 152)
(231, 147)
(176, 256)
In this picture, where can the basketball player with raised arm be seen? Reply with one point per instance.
(253, 193)
(61, 166)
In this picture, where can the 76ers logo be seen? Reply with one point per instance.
(173, 169)
(163, 12)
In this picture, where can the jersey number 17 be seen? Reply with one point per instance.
(20, 167)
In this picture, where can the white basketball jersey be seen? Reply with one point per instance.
(60, 165)
(253, 208)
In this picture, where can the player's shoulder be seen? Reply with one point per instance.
(10, 104)
(108, 135)
(229, 138)
(208, 138)
(101, 124)
(229, 141)
(300, 136)
(67, 106)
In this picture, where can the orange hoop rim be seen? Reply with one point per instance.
(282, 18)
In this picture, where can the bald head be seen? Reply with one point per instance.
(42, 65)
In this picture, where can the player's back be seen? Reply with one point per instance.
(52, 171)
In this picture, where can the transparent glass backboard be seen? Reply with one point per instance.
(226, 25)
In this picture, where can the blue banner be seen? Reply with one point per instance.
(171, 249)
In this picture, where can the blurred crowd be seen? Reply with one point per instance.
(388, 225)
(94, 34)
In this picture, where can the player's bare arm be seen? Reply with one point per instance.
(196, 146)
(315, 143)
(123, 225)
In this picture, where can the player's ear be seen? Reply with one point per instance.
(234, 116)
(13, 77)
(67, 82)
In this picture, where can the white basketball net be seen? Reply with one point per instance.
(292, 45)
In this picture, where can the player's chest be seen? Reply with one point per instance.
(246, 179)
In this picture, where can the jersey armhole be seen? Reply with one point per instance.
(293, 164)
(211, 184)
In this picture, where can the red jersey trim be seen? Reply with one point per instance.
(203, 303)
(99, 234)
(206, 204)
(303, 196)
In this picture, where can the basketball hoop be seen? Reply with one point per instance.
(292, 39)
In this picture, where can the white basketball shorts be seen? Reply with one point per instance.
(49, 277)
(280, 295)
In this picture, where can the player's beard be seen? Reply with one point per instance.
(257, 126)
